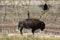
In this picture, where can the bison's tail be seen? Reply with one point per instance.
(18, 25)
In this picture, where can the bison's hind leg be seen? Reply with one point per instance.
(21, 30)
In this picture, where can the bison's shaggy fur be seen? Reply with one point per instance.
(31, 24)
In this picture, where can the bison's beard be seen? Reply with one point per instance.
(41, 29)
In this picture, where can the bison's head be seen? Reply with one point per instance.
(42, 26)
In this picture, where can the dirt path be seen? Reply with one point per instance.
(36, 34)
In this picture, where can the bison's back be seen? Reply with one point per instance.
(32, 21)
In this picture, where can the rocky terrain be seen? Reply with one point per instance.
(13, 11)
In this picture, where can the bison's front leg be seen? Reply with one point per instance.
(33, 30)
(21, 30)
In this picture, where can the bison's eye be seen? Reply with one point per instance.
(41, 23)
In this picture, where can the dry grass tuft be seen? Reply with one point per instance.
(27, 37)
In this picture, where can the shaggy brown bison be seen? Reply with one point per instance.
(31, 24)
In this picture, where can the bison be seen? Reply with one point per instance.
(31, 24)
